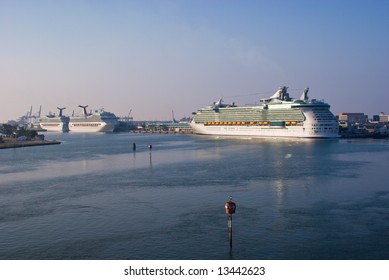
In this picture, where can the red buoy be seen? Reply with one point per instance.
(230, 207)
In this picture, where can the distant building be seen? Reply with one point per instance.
(352, 118)
(383, 118)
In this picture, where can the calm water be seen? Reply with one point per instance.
(92, 197)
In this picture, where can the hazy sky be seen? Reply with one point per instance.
(157, 56)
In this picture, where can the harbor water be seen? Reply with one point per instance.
(94, 197)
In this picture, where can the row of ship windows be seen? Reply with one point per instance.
(322, 113)
(324, 119)
(251, 123)
(249, 116)
(323, 124)
(255, 121)
(321, 128)
(326, 111)
(86, 124)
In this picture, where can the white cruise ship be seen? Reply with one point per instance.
(99, 121)
(52, 122)
(277, 116)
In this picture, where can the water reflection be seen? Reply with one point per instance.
(279, 186)
(151, 163)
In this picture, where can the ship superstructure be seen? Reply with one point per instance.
(99, 121)
(55, 123)
(277, 116)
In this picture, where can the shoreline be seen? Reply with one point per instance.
(9, 144)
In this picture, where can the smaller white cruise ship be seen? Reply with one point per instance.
(276, 116)
(99, 121)
(52, 122)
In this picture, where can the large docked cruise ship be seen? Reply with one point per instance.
(99, 121)
(52, 122)
(277, 116)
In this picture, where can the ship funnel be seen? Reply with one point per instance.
(304, 95)
(60, 111)
(84, 107)
(281, 93)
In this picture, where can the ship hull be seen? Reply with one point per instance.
(91, 127)
(59, 125)
(257, 132)
(55, 127)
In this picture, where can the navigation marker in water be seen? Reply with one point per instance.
(230, 209)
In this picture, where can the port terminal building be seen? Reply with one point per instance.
(351, 118)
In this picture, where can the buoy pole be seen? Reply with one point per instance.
(230, 229)
(150, 148)
(230, 209)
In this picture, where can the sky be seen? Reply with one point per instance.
(152, 57)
